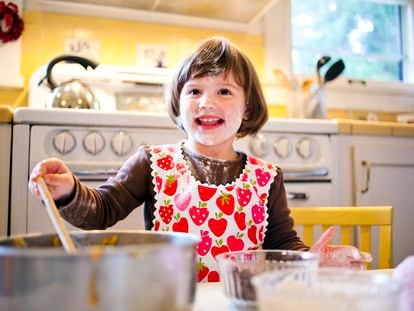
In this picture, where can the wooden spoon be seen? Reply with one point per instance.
(55, 217)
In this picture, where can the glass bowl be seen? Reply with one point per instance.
(332, 289)
(238, 268)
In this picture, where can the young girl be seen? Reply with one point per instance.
(201, 185)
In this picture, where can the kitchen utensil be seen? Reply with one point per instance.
(334, 71)
(73, 93)
(238, 268)
(112, 270)
(321, 62)
(316, 102)
(55, 217)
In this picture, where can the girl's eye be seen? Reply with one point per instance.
(224, 92)
(194, 92)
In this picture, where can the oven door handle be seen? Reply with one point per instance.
(315, 172)
(98, 174)
(297, 196)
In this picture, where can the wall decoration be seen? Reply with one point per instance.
(11, 24)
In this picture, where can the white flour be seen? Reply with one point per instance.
(329, 295)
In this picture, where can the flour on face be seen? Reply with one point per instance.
(212, 109)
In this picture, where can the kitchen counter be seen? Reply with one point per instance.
(6, 114)
(360, 127)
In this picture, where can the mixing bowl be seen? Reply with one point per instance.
(118, 270)
(332, 289)
(238, 268)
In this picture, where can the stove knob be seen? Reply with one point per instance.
(93, 142)
(121, 144)
(64, 142)
(282, 147)
(304, 148)
(259, 146)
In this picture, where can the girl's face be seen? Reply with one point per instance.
(212, 109)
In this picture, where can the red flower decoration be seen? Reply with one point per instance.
(11, 24)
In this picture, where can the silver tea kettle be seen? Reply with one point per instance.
(73, 93)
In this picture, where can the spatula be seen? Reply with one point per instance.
(55, 217)
(334, 71)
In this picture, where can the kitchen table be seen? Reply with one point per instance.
(210, 296)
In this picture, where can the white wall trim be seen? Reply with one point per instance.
(254, 26)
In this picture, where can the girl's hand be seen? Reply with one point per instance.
(343, 256)
(57, 176)
(405, 272)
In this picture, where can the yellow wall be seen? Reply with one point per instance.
(45, 34)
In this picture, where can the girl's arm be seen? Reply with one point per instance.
(102, 207)
(280, 233)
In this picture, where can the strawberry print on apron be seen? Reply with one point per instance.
(231, 217)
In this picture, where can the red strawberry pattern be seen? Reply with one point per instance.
(217, 226)
(202, 270)
(240, 219)
(258, 213)
(213, 276)
(181, 224)
(235, 243)
(244, 195)
(171, 185)
(166, 212)
(199, 214)
(262, 177)
(182, 200)
(225, 202)
(158, 182)
(252, 234)
(203, 247)
(219, 249)
(227, 218)
(165, 163)
(206, 192)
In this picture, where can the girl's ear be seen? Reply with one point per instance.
(246, 115)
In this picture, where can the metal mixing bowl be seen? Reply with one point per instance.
(118, 270)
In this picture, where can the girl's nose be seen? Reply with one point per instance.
(206, 102)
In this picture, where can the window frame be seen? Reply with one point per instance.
(341, 94)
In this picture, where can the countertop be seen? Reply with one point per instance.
(6, 114)
(380, 128)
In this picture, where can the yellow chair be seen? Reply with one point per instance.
(356, 224)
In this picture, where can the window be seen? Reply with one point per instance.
(367, 34)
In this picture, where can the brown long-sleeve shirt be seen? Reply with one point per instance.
(102, 207)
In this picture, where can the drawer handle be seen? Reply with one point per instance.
(368, 176)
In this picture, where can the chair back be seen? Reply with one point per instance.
(356, 223)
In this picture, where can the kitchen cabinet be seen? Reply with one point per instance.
(379, 170)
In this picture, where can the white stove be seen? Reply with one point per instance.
(94, 144)
(6, 117)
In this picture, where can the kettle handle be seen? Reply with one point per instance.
(69, 58)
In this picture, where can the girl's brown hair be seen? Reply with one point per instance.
(213, 57)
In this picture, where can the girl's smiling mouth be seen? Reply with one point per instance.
(209, 121)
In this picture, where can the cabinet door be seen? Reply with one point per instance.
(384, 175)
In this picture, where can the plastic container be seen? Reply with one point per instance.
(333, 289)
(238, 268)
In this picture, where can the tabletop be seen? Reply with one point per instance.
(209, 297)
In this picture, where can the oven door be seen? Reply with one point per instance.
(309, 193)
(37, 214)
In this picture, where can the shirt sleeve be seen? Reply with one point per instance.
(102, 207)
(280, 233)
